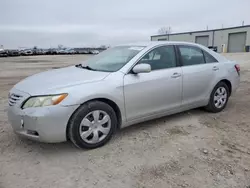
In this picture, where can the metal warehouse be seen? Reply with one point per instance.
(234, 39)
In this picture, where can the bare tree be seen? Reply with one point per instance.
(164, 30)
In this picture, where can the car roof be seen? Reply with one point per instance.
(155, 43)
(152, 44)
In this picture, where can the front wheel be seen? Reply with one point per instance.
(218, 98)
(92, 125)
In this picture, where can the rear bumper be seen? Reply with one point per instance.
(44, 124)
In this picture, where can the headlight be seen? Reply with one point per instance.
(40, 101)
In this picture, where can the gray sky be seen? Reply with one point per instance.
(77, 23)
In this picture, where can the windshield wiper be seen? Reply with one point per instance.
(85, 67)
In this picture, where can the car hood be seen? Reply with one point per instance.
(51, 81)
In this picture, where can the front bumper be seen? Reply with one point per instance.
(44, 124)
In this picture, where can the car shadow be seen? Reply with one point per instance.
(35, 146)
(161, 122)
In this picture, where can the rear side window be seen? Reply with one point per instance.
(191, 55)
(209, 58)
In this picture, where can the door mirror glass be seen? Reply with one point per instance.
(142, 68)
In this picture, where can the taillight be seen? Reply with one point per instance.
(237, 68)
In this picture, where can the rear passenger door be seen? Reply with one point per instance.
(199, 74)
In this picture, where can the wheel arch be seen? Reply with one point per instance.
(105, 100)
(229, 85)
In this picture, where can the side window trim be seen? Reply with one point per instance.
(188, 46)
(203, 53)
(165, 45)
(178, 54)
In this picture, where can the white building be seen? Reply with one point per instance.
(234, 39)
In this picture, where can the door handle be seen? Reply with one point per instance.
(176, 75)
(215, 68)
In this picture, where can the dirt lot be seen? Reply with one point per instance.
(190, 149)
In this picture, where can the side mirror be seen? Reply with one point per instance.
(142, 68)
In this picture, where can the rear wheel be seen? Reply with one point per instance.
(218, 98)
(92, 125)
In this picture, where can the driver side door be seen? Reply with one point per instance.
(156, 92)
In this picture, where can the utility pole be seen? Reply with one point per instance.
(243, 23)
(169, 31)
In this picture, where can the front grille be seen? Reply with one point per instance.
(13, 98)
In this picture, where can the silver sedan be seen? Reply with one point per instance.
(121, 86)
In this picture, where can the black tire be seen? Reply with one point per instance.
(80, 113)
(211, 106)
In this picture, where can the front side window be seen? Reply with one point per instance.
(191, 55)
(113, 59)
(160, 58)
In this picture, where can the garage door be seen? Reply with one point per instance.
(203, 40)
(237, 42)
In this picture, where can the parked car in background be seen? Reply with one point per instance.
(38, 52)
(70, 51)
(44, 51)
(66, 51)
(85, 52)
(62, 52)
(52, 51)
(13, 53)
(3, 53)
(121, 86)
(26, 52)
(94, 52)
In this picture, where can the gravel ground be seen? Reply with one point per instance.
(191, 149)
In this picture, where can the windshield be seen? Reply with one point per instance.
(113, 59)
